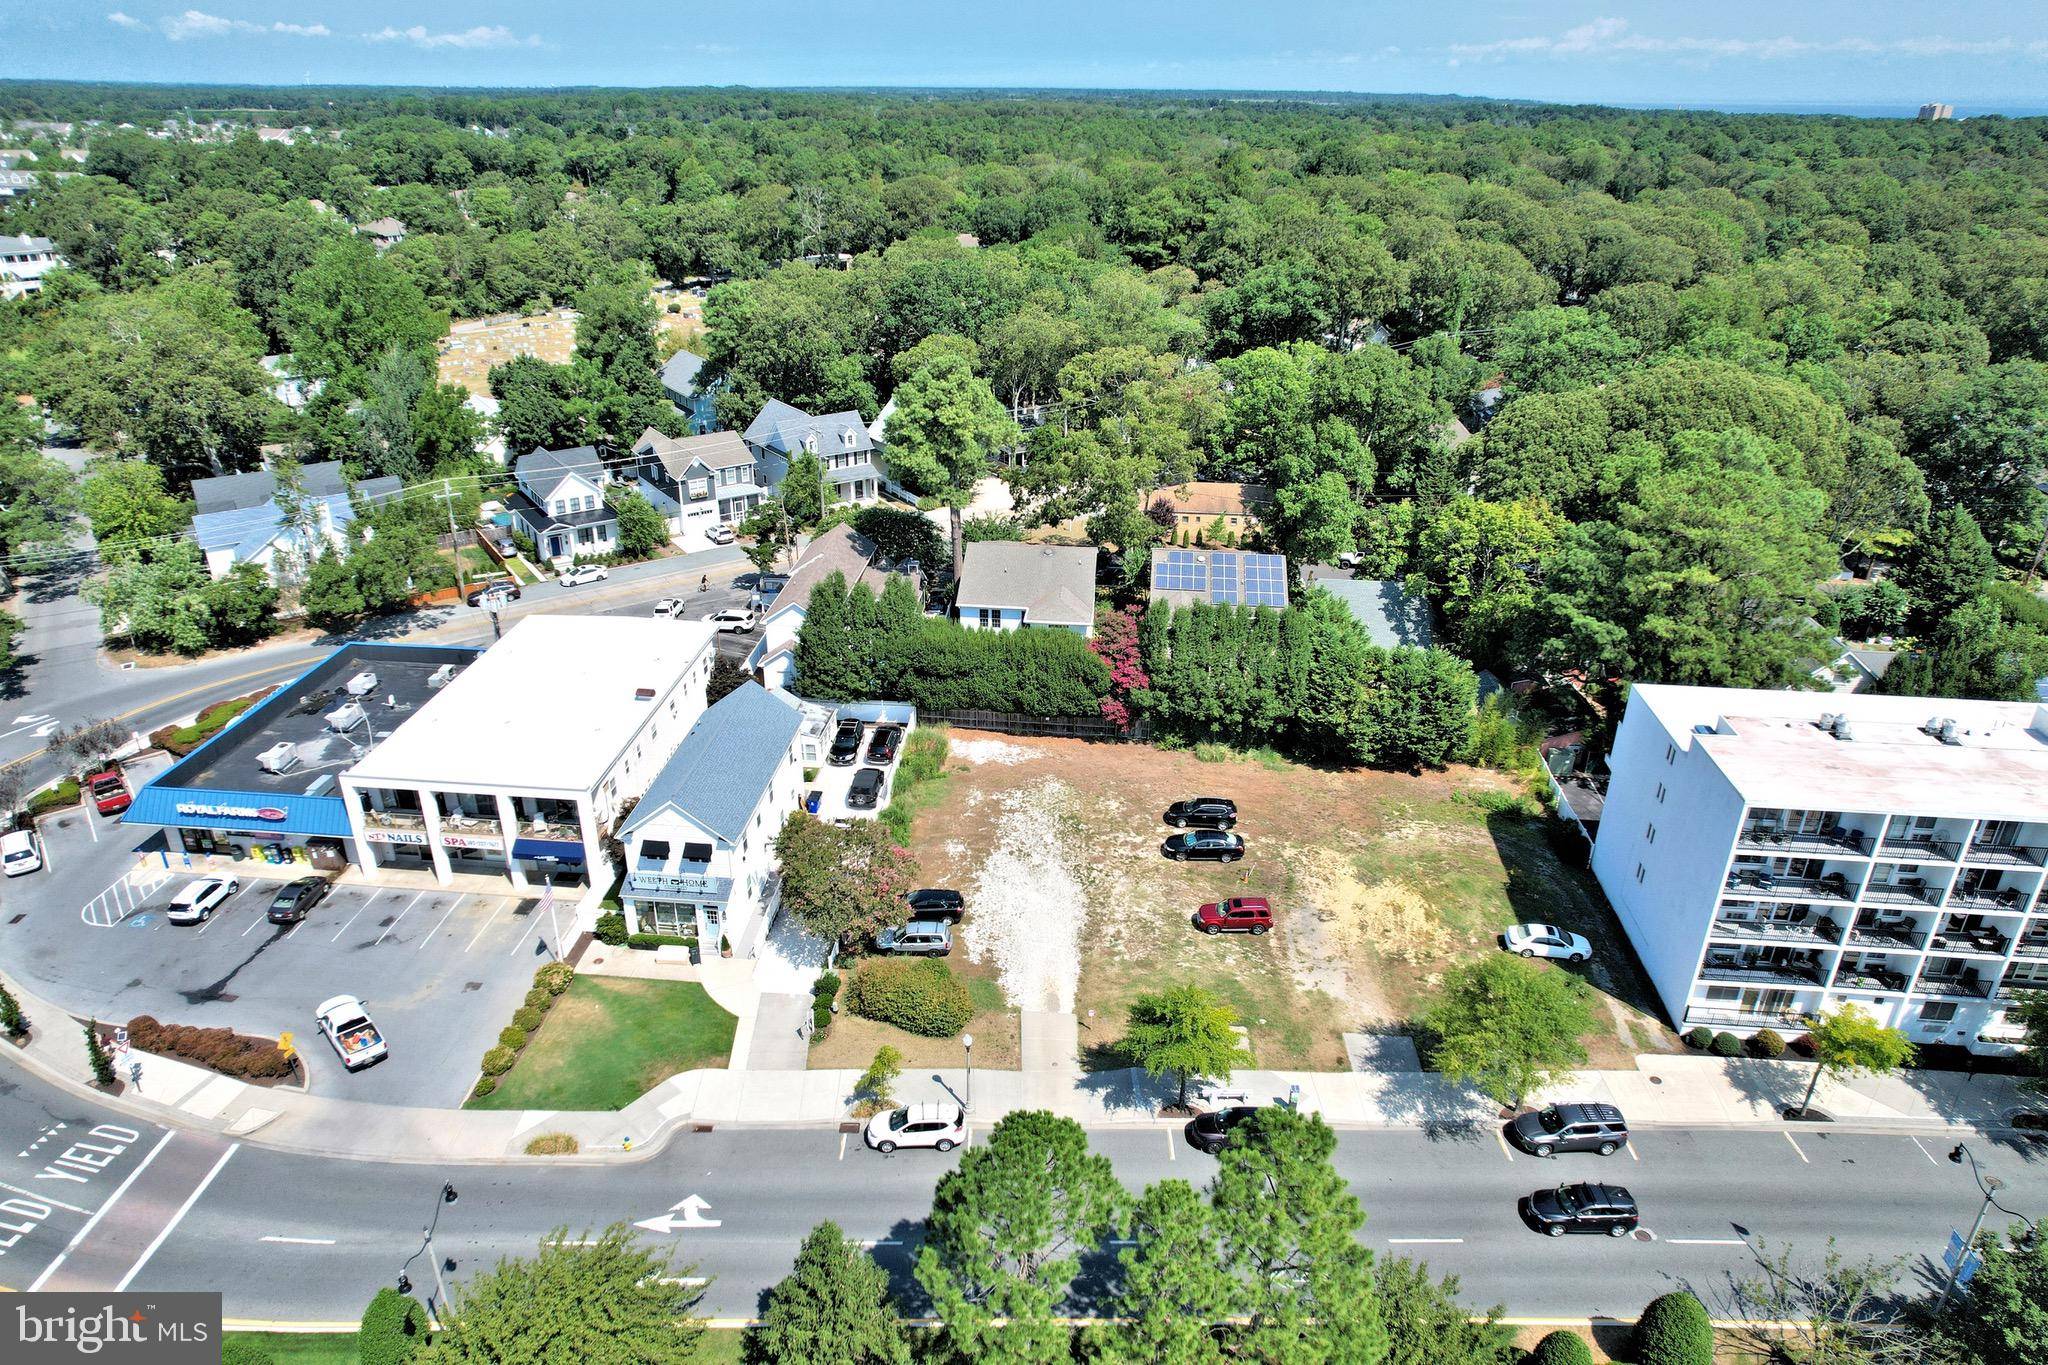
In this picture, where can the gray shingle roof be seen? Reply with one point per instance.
(782, 428)
(235, 492)
(840, 549)
(1054, 585)
(717, 775)
(548, 466)
(714, 450)
(679, 375)
(1390, 616)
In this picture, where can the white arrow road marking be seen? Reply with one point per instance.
(693, 1217)
(45, 731)
(29, 720)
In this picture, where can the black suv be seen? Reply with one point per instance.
(1582, 1208)
(882, 744)
(1570, 1128)
(1212, 845)
(845, 743)
(937, 902)
(866, 788)
(1213, 1131)
(508, 586)
(294, 899)
(1211, 812)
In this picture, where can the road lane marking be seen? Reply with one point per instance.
(443, 920)
(300, 1241)
(1796, 1147)
(873, 1242)
(1705, 1241)
(1170, 1145)
(176, 1219)
(488, 922)
(1423, 1241)
(352, 918)
(1923, 1151)
(399, 917)
(1497, 1137)
(94, 1221)
(43, 1198)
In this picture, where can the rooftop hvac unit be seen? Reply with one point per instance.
(346, 717)
(280, 757)
(1829, 720)
(442, 676)
(1945, 731)
(362, 684)
(1842, 731)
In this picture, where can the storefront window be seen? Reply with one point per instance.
(675, 919)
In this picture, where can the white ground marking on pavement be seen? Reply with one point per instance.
(94, 1221)
(842, 1146)
(1923, 1151)
(42, 1198)
(256, 923)
(176, 1219)
(443, 920)
(1631, 1151)
(488, 922)
(399, 916)
(1423, 1241)
(1796, 1147)
(352, 918)
(1503, 1145)
(1170, 1145)
(874, 1242)
(92, 826)
(300, 1241)
(1706, 1241)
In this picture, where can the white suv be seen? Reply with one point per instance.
(943, 1126)
(196, 901)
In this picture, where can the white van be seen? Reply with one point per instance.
(20, 854)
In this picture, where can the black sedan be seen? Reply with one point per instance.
(294, 899)
(1214, 845)
(845, 743)
(1213, 1131)
(1209, 812)
(504, 585)
(1582, 1208)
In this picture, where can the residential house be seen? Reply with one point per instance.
(384, 233)
(840, 440)
(1204, 509)
(24, 261)
(699, 481)
(1391, 617)
(1855, 668)
(238, 519)
(682, 379)
(286, 385)
(560, 503)
(1187, 577)
(1008, 584)
(700, 845)
(839, 550)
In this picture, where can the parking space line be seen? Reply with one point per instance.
(372, 900)
(226, 908)
(300, 1241)
(1170, 1145)
(401, 915)
(1631, 1146)
(254, 923)
(1503, 1145)
(1923, 1151)
(488, 921)
(1796, 1147)
(443, 920)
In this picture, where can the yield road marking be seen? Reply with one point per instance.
(1705, 1241)
(101, 1212)
(443, 920)
(692, 1208)
(176, 1219)
(400, 916)
(300, 1241)
(43, 1198)
(1796, 1147)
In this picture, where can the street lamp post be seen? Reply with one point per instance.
(1988, 1186)
(447, 1197)
(967, 1042)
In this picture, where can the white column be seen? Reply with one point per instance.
(352, 802)
(508, 827)
(595, 864)
(430, 810)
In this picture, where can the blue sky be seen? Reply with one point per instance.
(1734, 51)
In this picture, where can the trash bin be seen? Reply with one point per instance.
(812, 800)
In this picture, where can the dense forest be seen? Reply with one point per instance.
(1710, 360)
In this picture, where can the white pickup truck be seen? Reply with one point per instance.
(347, 1025)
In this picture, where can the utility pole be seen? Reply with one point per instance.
(448, 497)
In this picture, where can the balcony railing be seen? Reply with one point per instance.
(1749, 1018)
(1968, 985)
(1833, 887)
(1767, 839)
(2013, 987)
(1995, 898)
(1820, 930)
(1869, 979)
(1970, 941)
(394, 819)
(2006, 855)
(1897, 934)
(1767, 972)
(1900, 893)
(2031, 947)
(1919, 848)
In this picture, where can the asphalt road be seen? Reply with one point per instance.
(300, 1238)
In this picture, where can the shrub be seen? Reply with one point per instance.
(1699, 1039)
(394, 1328)
(512, 1036)
(1674, 1330)
(538, 999)
(219, 1049)
(826, 987)
(1561, 1348)
(821, 1019)
(12, 1021)
(611, 930)
(528, 1017)
(649, 942)
(555, 977)
(921, 996)
(1727, 1045)
(180, 740)
(1767, 1043)
(554, 1144)
(498, 1061)
(55, 797)
(484, 1086)
(239, 1349)
(96, 1054)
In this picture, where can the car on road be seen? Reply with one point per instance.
(720, 534)
(196, 901)
(1582, 1208)
(509, 587)
(20, 853)
(346, 1022)
(919, 938)
(109, 790)
(671, 607)
(1546, 940)
(940, 1126)
(1569, 1127)
(865, 789)
(736, 620)
(1215, 1130)
(296, 898)
(578, 574)
(845, 743)
(1238, 915)
(937, 902)
(1210, 812)
(883, 743)
(1212, 845)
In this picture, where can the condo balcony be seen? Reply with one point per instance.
(1796, 928)
(1736, 966)
(1919, 848)
(1970, 938)
(1901, 891)
(2031, 945)
(1978, 897)
(1882, 931)
(2017, 982)
(1764, 836)
(2005, 855)
(1970, 985)
(1832, 886)
(1852, 976)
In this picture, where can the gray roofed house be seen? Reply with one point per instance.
(1007, 584)
(840, 440)
(384, 233)
(682, 378)
(561, 500)
(235, 492)
(238, 521)
(1391, 617)
(699, 481)
(839, 550)
(716, 776)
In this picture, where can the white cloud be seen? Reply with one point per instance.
(491, 35)
(199, 24)
(1612, 37)
(125, 20)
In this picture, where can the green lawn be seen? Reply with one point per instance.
(608, 1042)
(304, 1348)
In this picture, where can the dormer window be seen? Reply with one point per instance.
(849, 438)
(811, 443)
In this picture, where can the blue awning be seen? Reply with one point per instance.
(561, 850)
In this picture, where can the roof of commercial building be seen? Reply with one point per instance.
(1390, 616)
(547, 708)
(726, 762)
(1772, 750)
(1054, 585)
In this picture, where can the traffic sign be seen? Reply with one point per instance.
(1960, 1260)
(287, 1043)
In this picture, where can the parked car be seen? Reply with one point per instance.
(865, 790)
(919, 938)
(937, 902)
(1210, 812)
(1238, 915)
(845, 743)
(20, 852)
(109, 790)
(509, 587)
(939, 1126)
(1546, 940)
(294, 899)
(1582, 1208)
(196, 901)
(883, 743)
(579, 574)
(1213, 845)
(346, 1022)
(507, 546)
(721, 534)
(1213, 1131)
(671, 607)
(735, 620)
(1571, 1127)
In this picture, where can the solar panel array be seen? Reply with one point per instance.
(1223, 576)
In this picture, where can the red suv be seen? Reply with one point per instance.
(1239, 915)
(109, 792)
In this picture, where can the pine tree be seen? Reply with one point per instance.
(833, 1305)
(96, 1054)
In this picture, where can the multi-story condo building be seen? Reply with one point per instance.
(1774, 854)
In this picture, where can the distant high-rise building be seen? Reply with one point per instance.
(1935, 113)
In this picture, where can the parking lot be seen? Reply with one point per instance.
(441, 970)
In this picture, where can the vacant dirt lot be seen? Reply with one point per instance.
(1380, 881)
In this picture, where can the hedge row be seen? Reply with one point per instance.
(549, 982)
(920, 996)
(823, 992)
(220, 1049)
